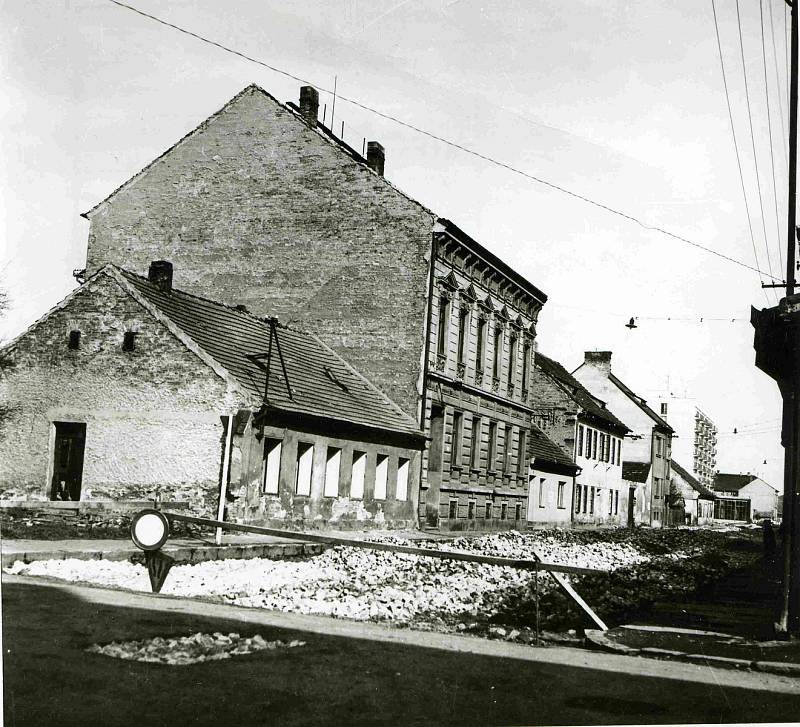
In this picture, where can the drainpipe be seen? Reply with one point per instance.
(223, 485)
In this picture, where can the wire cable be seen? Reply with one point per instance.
(453, 144)
(769, 128)
(753, 139)
(735, 143)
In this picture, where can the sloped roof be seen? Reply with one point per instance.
(580, 394)
(545, 449)
(322, 383)
(635, 471)
(692, 481)
(640, 402)
(726, 482)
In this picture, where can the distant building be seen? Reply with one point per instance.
(698, 500)
(762, 498)
(590, 434)
(129, 386)
(648, 446)
(695, 438)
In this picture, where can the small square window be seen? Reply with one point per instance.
(74, 340)
(129, 341)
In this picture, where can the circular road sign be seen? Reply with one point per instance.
(149, 529)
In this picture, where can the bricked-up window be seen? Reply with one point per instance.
(508, 442)
(475, 451)
(487, 511)
(357, 478)
(452, 513)
(272, 466)
(305, 463)
(497, 357)
(74, 341)
(129, 341)
(560, 494)
(381, 476)
(332, 466)
(463, 331)
(542, 491)
(512, 359)
(401, 484)
(492, 463)
(471, 510)
(580, 440)
(480, 347)
(444, 325)
(522, 451)
(458, 434)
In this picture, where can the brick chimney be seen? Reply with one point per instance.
(598, 359)
(309, 105)
(376, 156)
(160, 274)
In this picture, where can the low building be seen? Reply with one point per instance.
(762, 496)
(129, 386)
(698, 500)
(590, 434)
(636, 480)
(648, 445)
(551, 483)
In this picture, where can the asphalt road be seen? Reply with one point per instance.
(347, 674)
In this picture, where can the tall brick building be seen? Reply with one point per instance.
(261, 205)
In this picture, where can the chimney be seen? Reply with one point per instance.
(376, 156)
(309, 105)
(599, 360)
(160, 274)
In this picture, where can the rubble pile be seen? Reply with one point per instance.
(192, 649)
(640, 567)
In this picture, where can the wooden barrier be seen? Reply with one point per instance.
(536, 564)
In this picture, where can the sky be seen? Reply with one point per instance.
(620, 102)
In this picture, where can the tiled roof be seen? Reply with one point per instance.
(579, 393)
(692, 481)
(322, 383)
(635, 471)
(545, 449)
(641, 403)
(730, 482)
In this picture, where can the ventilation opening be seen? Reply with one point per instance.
(129, 341)
(74, 340)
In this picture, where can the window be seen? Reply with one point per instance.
(305, 462)
(591, 501)
(475, 451)
(526, 365)
(560, 495)
(504, 511)
(381, 476)
(507, 444)
(512, 360)
(522, 451)
(616, 502)
(492, 445)
(401, 490)
(498, 350)
(663, 409)
(463, 331)
(471, 510)
(455, 450)
(487, 510)
(594, 443)
(480, 349)
(611, 502)
(659, 447)
(357, 478)
(578, 492)
(74, 341)
(542, 482)
(272, 466)
(444, 325)
(517, 512)
(580, 440)
(602, 438)
(452, 513)
(608, 448)
(332, 464)
(129, 341)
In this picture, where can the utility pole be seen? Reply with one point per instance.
(777, 344)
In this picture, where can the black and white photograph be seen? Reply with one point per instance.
(399, 362)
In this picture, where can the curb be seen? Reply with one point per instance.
(597, 638)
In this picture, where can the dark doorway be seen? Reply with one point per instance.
(68, 460)
(631, 504)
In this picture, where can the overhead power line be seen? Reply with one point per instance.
(453, 144)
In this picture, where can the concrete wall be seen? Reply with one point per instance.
(152, 415)
(342, 510)
(256, 208)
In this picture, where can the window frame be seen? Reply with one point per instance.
(300, 465)
(271, 465)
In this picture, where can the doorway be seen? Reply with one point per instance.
(68, 460)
